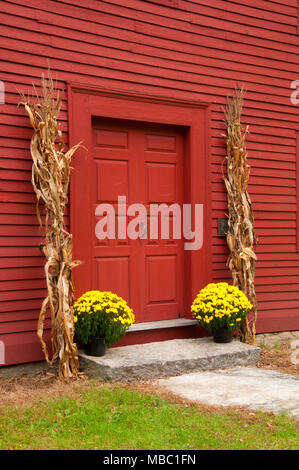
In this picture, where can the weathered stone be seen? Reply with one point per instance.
(250, 387)
(30, 368)
(166, 358)
(271, 339)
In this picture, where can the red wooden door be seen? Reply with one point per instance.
(144, 163)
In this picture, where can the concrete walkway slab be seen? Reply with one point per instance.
(258, 389)
(167, 358)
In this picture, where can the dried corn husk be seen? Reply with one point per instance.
(50, 181)
(241, 236)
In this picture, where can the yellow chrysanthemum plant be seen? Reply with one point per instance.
(101, 314)
(220, 305)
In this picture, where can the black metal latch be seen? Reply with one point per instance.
(222, 227)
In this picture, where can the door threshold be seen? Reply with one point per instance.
(157, 325)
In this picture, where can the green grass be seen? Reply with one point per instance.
(104, 416)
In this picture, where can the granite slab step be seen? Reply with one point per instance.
(167, 358)
(250, 387)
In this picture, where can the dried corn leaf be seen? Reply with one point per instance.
(241, 236)
(50, 181)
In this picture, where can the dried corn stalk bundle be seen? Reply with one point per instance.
(241, 236)
(50, 180)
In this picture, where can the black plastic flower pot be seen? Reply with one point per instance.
(96, 347)
(222, 335)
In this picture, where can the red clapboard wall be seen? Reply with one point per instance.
(187, 50)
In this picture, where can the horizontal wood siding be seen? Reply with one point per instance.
(190, 50)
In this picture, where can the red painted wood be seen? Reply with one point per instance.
(297, 182)
(21, 347)
(23, 325)
(164, 334)
(148, 274)
(20, 285)
(191, 52)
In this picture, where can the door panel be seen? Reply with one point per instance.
(113, 273)
(145, 164)
(112, 179)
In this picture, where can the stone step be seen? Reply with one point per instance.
(167, 358)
